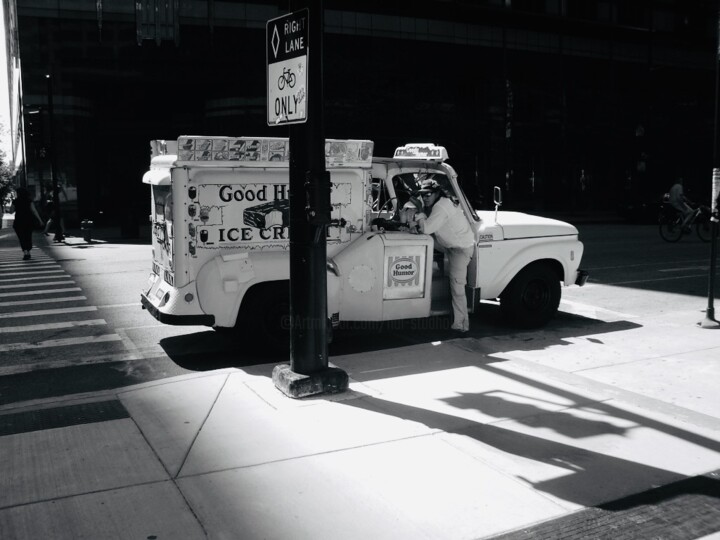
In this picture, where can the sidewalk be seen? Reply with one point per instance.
(460, 439)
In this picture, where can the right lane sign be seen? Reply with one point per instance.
(287, 57)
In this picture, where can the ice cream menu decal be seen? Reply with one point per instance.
(251, 215)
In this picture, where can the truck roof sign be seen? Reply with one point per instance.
(425, 151)
(266, 151)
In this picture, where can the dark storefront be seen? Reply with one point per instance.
(569, 105)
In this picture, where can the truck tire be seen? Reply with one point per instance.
(265, 317)
(532, 298)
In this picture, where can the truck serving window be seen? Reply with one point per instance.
(162, 195)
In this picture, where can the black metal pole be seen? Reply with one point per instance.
(709, 321)
(310, 209)
(57, 215)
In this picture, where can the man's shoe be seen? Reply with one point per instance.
(26, 257)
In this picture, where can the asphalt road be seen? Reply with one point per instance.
(71, 321)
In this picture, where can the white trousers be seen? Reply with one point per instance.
(458, 260)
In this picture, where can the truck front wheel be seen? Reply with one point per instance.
(532, 298)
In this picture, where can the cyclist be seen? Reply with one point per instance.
(677, 199)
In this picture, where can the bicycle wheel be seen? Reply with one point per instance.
(671, 229)
(704, 230)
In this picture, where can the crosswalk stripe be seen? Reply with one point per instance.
(44, 284)
(58, 271)
(43, 312)
(51, 326)
(35, 278)
(25, 264)
(41, 364)
(42, 301)
(87, 340)
(44, 291)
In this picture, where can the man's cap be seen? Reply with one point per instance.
(429, 186)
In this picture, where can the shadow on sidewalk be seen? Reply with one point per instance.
(579, 475)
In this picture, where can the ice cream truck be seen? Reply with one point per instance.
(220, 239)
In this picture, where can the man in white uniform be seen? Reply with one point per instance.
(453, 234)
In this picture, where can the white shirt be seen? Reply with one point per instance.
(449, 225)
(677, 197)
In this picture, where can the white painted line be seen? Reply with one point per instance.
(87, 340)
(44, 291)
(651, 280)
(52, 326)
(107, 306)
(29, 266)
(663, 263)
(703, 268)
(44, 284)
(578, 308)
(35, 278)
(42, 301)
(38, 365)
(58, 271)
(43, 312)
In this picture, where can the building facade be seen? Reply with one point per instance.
(566, 104)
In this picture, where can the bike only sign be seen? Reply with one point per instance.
(287, 57)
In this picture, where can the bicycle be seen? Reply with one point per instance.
(670, 223)
(286, 77)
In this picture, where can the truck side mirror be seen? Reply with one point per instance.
(497, 199)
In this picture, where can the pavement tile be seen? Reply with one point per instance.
(243, 429)
(411, 489)
(170, 415)
(585, 456)
(469, 390)
(43, 465)
(687, 380)
(155, 510)
(613, 346)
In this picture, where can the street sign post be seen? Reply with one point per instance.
(295, 96)
(287, 60)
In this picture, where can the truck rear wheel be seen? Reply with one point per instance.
(532, 298)
(265, 317)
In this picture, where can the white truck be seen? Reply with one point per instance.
(220, 249)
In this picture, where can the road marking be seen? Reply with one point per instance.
(44, 284)
(42, 301)
(107, 306)
(29, 266)
(44, 291)
(38, 365)
(43, 312)
(703, 268)
(651, 280)
(35, 278)
(52, 326)
(664, 263)
(595, 312)
(86, 340)
(58, 271)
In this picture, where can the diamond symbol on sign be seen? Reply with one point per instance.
(275, 41)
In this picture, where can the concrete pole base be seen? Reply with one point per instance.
(707, 322)
(331, 380)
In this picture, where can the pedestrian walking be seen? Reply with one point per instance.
(25, 217)
(454, 236)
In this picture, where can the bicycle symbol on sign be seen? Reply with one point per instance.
(287, 77)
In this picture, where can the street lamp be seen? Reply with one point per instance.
(57, 215)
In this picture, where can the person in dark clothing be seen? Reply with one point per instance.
(25, 216)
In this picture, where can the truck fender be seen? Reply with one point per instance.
(223, 281)
(563, 257)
